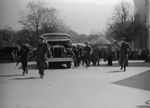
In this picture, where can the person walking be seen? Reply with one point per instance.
(124, 50)
(24, 57)
(42, 50)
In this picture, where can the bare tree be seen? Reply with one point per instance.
(51, 23)
(33, 18)
(122, 13)
(120, 21)
(41, 19)
(49, 18)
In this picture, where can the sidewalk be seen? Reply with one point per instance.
(93, 87)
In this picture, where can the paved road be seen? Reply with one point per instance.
(93, 87)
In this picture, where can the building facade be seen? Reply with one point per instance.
(142, 15)
(148, 25)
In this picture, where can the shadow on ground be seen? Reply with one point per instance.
(145, 106)
(131, 64)
(34, 67)
(139, 64)
(26, 78)
(140, 81)
(117, 71)
(11, 75)
(57, 66)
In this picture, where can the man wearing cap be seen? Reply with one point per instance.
(41, 52)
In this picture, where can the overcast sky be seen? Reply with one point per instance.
(83, 16)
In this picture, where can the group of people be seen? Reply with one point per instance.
(41, 51)
(82, 55)
(89, 54)
(94, 54)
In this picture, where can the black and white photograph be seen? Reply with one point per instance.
(74, 53)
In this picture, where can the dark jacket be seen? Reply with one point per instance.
(41, 52)
(124, 49)
(24, 52)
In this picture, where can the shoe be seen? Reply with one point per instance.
(41, 76)
(87, 66)
(26, 71)
(23, 74)
(121, 68)
(124, 69)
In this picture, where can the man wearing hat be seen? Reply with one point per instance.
(41, 52)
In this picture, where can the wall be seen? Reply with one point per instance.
(142, 14)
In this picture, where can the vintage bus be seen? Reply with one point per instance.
(59, 46)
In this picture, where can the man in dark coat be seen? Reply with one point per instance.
(24, 57)
(87, 55)
(95, 55)
(41, 52)
(76, 56)
(109, 56)
(124, 49)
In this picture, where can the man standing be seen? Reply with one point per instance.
(41, 52)
(87, 54)
(109, 56)
(24, 57)
(95, 55)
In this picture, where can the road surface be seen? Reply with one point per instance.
(94, 87)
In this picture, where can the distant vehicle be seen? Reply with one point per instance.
(59, 43)
(8, 54)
